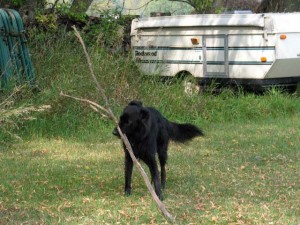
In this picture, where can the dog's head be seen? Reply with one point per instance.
(134, 121)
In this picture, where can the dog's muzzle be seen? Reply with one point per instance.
(116, 132)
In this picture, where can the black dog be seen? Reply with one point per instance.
(149, 133)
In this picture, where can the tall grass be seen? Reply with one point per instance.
(60, 65)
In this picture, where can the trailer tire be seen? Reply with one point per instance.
(292, 89)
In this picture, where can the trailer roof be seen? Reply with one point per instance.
(279, 22)
(205, 20)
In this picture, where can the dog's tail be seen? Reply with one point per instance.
(183, 132)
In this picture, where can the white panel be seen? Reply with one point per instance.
(181, 55)
(254, 40)
(169, 41)
(185, 41)
(215, 70)
(285, 22)
(215, 55)
(248, 71)
(288, 48)
(249, 55)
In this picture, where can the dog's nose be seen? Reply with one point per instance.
(116, 132)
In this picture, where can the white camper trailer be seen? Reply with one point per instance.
(250, 49)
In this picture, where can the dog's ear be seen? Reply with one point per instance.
(146, 122)
(136, 102)
(144, 114)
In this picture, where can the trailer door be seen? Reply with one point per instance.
(215, 56)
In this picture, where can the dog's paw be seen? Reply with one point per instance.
(127, 192)
(161, 197)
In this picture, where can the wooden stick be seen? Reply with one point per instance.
(93, 105)
(107, 110)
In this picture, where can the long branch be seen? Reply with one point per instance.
(89, 61)
(93, 104)
(111, 115)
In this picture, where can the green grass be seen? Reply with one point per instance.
(239, 173)
(68, 168)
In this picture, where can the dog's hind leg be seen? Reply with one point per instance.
(162, 156)
(128, 173)
(163, 173)
(151, 163)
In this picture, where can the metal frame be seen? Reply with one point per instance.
(226, 62)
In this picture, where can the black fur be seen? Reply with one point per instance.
(149, 132)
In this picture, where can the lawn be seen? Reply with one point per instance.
(239, 173)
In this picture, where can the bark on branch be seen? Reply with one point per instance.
(108, 112)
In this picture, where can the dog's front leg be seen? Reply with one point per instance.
(128, 173)
(151, 162)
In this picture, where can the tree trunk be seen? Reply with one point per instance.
(219, 4)
(272, 6)
(5, 4)
(293, 5)
(80, 6)
(31, 6)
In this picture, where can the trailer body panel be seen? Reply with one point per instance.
(225, 46)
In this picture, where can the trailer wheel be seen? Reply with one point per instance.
(292, 89)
